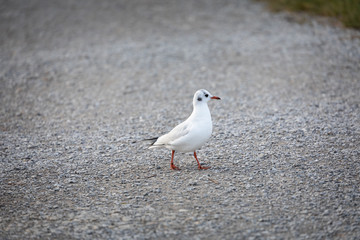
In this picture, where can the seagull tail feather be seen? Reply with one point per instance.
(152, 140)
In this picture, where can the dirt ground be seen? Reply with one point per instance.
(83, 82)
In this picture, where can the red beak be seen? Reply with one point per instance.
(215, 97)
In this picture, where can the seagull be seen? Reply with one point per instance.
(191, 134)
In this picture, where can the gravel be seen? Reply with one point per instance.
(82, 82)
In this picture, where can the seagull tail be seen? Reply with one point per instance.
(152, 140)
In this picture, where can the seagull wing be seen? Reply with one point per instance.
(177, 132)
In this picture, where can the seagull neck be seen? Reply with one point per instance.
(201, 109)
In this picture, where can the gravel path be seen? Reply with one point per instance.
(83, 81)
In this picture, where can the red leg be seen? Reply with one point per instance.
(172, 166)
(199, 166)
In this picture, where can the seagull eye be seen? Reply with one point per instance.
(206, 95)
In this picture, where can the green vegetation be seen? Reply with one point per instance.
(347, 11)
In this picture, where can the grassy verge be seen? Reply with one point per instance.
(347, 11)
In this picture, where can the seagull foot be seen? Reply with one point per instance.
(173, 167)
(203, 168)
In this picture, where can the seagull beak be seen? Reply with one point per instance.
(215, 97)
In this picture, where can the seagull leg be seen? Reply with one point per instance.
(172, 166)
(199, 166)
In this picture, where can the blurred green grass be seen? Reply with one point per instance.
(347, 11)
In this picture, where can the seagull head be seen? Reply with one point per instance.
(203, 96)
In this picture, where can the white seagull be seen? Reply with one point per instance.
(191, 134)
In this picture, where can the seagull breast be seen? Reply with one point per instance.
(196, 130)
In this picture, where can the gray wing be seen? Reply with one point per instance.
(177, 132)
